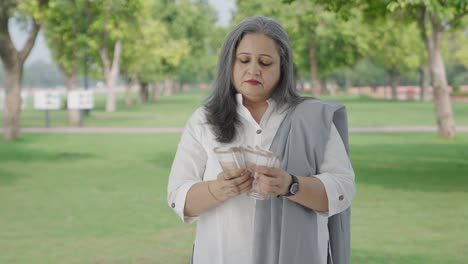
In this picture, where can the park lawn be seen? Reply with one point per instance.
(102, 199)
(173, 111)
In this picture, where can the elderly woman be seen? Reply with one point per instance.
(254, 102)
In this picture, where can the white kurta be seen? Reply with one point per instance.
(224, 234)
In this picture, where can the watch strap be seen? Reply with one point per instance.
(294, 180)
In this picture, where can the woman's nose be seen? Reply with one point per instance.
(254, 68)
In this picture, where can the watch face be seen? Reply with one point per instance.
(294, 188)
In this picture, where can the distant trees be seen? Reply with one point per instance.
(152, 44)
(144, 41)
(396, 48)
(434, 18)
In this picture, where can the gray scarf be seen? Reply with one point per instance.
(286, 232)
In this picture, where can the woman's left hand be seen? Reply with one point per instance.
(272, 181)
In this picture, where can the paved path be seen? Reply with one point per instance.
(154, 130)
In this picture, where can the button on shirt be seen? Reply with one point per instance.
(224, 233)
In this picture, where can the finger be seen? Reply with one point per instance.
(268, 171)
(232, 174)
(246, 186)
(270, 181)
(243, 179)
(237, 181)
(236, 186)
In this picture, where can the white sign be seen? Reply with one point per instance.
(24, 100)
(81, 99)
(47, 100)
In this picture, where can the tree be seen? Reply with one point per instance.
(109, 22)
(149, 50)
(190, 22)
(65, 33)
(434, 18)
(196, 22)
(396, 48)
(33, 12)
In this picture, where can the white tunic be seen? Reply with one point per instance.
(223, 234)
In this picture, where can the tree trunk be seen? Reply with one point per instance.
(156, 92)
(73, 114)
(425, 71)
(178, 87)
(186, 87)
(299, 85)
(111, 73)
(128, 92)
(13, 61)
(347, 79)
(12, 110)
(443, 105)
(130, 83)
(323, 86)
(169, 86)
(128, 95)
(144, 93)
(424, 82)
(394, 80)
(314, 82)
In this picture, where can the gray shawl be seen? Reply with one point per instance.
(286, 232)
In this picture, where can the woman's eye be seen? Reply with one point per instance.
(244, 61)
(265, 63)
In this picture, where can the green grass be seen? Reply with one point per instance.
(173, 111)
(88, 199)
(102, 199)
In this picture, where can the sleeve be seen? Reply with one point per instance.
(337, 175)
(188, 166)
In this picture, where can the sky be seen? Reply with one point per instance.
(42, 52)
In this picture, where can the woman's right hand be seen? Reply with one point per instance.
(230, 184)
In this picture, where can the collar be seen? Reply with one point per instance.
(240, 100)
(244, 112)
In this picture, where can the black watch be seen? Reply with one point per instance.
(293, 187)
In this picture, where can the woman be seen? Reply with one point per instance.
(253, 94)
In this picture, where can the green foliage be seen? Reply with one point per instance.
(193, 23)
(172, 40)
(66, 33)
(365, 73)
(35, 9)
(444, 11)
(148, 46)
(459, 45)
(396, 47)
(73, 26)
(108, 22)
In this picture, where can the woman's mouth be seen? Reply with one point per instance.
(253, 82)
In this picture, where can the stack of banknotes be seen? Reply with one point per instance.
(231, 158)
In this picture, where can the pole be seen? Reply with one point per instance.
(86, 13)
(47, 119)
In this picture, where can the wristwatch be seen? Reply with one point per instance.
(293, 187)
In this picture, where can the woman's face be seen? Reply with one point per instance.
(256, 68)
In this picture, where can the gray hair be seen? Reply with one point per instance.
(221, 105)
